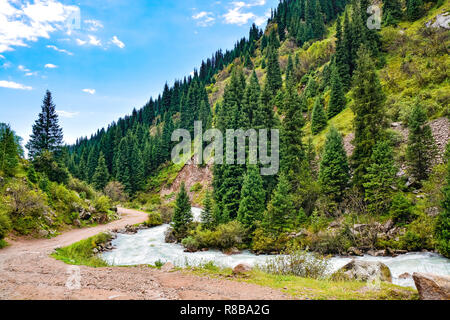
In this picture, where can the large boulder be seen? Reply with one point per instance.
(365, 271)
(432, 287)
(242, 268)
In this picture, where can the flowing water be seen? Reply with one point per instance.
(148, 246)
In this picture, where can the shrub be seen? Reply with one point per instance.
(230, 235)
(154, 219)
(102, 204)
(116, 191)
(298, 263)
(190, 244)
(196, 187)
(81, 187)
(22, 201)
(402, 209)
(419, 235)
(266, 243)
(5, 223)
(55, 171)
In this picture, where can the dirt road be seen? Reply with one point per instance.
(27, 272)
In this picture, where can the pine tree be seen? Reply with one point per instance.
(442, 229)
(341, 58)
(392, 12)
(334, 174)
(370, 117)
(414, 9)
(421, 150)
(182, 216)
(380, 179)
(208, 212)
(47, 135)
(290, 70)
(319, 119)
(274, 80)
(280, 215)
(9, 157)
(253, 198)
(337, 97)
(101, 175)
(251, 101)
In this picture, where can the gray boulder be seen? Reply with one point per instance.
(365, 271)
(242, 268)
(432, 287)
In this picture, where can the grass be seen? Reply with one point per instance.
(81, 253)
(305, 288)
(3, 244)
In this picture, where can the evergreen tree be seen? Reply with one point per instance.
(9, 157)
(208, 213)
(414, 9)
(101, 175)
(280, 215)
(253, 198)
(274, 80)
(334, 174)
(442, 229)
(370, 117)
(47, 135)
(421, 150)
(341, 57)
(392, 12)
(319, 119)
(380, 178)
(337, 97)
(182, 216)
(251, 101)
(290, 70)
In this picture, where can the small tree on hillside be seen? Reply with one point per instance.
(421, 150)
(208, 213)
(182, 216)
(319, 119)
(442, 231)
(101, 175)
(337, 98)
(9, 157)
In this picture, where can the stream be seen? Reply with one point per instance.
(148, 246)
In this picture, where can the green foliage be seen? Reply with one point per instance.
(338, 101)
(334, 174)
(208, 213)
(402, 209)
(154, 219)
(9, 157)
(81, 253)
(226, 236)
(253, 199)
(274, 80)
(319, 119)
(414, 9)
(5, 224)
(419, 235)
(190, 244)
(442, 230)
(183, 215)
(421, 150)
(101, 175)
(45, 163)
(196, 187)
(102, 204)
(380, 178)
(115, 191)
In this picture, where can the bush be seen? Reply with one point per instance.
(116, 191)
(230, 235)
(55, 171)
(102, 204)
(5, 223)
(298, 263)
(402, 210)
(190, 244)
(419, 235)
(196, 187)
(24, 202)
(265, 243)
(81, 187)
(154, 219)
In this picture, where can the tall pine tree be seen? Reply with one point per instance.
(182, 216)
(101, 175)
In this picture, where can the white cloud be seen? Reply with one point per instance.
(60, 50)
(81, 42)
(67, 114)
(13, 85)
(235, 15)
(21, 23)
(117, 42)
(50, 66)
(93, 25)
(23, 68)
(90, 91)
(94, 41)
(204, 19)
(29, 74)
(2, 57)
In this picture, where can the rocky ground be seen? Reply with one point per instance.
(29, 273)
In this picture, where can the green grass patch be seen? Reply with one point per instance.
(3, 243)
(81, 253)
(305, 288)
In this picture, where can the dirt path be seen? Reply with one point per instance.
(28, 273)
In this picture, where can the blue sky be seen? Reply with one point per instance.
(101, 59)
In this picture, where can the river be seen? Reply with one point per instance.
(148, 246)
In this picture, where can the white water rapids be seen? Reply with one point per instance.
(148, 246)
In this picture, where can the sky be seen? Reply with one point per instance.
(101, 59)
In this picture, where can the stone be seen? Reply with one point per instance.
(77, 223)
(95, 251)
(405, 275)
(432, 287)
(43, 233)
(170, 236)
(232, 251)
(440, 21)
(85, 215)
(355, 251)
(365, 271)
(242, 268)
(167, 267)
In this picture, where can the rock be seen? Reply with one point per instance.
(405, 275)
(95, 251)
(388, 225)
(335, 224)
(167, 267)
(170, 236)
(432, 287)
(85, 215)
(360, 227)
(242, 268)
(380, 253)
(355, 251)
(77, 223)
(440, 21)
(43, 233)
(232, 251)
(400, 252)
(365, 271)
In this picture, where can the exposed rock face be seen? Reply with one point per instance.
(440, 21)
(168, 267)
(366, 271)
(242, 268)
(170, 236)
(432, 287)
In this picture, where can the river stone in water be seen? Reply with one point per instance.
(432, 287)
(365, 271)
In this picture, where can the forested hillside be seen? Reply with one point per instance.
(363, 168)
